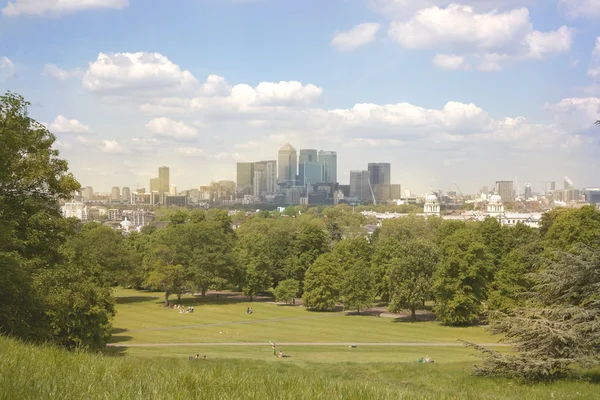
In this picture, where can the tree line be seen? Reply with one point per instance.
(536, 287)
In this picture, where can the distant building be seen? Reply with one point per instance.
(568, 183)
(395, 192)
(115, 194)
(114, 215)
(163, 180)
(174, 200)
(505, 190)
(75, 210)
(154, 185)
(495, 206)
(272, 176)
(287, 165)
(306, 156)
(126, 195)
(87, 193)
(592, 195)
(172, 190)
(329, 161)
(360, 187)
(528, 191)
(380, 173)
(432, 205)
(245, 178)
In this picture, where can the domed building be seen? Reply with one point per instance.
(432, 205)
(495, 205)
(126, 225)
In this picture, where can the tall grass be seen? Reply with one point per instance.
(30, 372)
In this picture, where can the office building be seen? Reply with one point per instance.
(260, 179)
(287, 165)
(568, 184)
(528, 191)
(163, 180)
(172, 190)
(75, 210)
(306, 156)
(245, 178)
(174, 200)
(553, 186)
(505, 190)
(87, 193)
(154, 185)
(115, 194)
(592, 195)
(312, 173)
(329, 161)
(126, 195)
(380, 173)
(395, 192)
(360, 189)
(272, 176)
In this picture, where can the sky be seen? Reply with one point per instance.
(450, 93)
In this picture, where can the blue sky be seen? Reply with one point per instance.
(468, 92)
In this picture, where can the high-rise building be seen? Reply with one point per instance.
(154, 185)
(172, 190)
(505, 190)
(329, 161)
(260, 179)
(163, 180)
(126, 195)
(272, 176)
(87, 193)
(115, 194)
(486, 191)
(592, 195)
(395, 192)
(312, 173)
(553, 186)
(528, 191)
(306, 156)
(380, 173)
(245, 177)
(287, 165)
(359, 186)
(568, 183)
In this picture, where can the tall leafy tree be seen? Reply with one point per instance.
(411, 276)
(356, 286)
(322, 284)
(287, 290)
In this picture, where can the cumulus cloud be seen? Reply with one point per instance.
(405, 8)
(127, 74)
(175, 129)
(577, 113)
(14, 8)
(65, 125)
(111, 146)
(450, 61)
(6, 66)
(493, 37)
(60, 74)
(356, 37)
(581, 8)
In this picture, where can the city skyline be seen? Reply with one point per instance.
(370, 79)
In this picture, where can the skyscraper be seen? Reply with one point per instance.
(271, 176)
(115, 194)
(126, 194)
(154, 185)
(528, 191)
(505, 190)
(287, 165)
(87, 193)
(245, 177)
(568, 183)
(380, 173)
(329, 161)
(260, 178)
(307, 156)
(359, 186)
(163, 180)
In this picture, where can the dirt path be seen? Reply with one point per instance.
(254, 321)
(397, 344)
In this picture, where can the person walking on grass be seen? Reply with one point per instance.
(274, 349)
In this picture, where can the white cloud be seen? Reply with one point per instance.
(6, 66)
(65, 125)
(594, 69)
(247, 146)
(111, 146)
(192, 152)
(15, 8)
(493, 37)
(175, 129)
(581, 8)
(356, 37)
(450, 61)
(405, 8)
(130, 74)
(577, 113)
(60, 74)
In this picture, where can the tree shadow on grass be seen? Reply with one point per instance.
(120, 339)
(420, 318)
(114, 351)
(592, 375)
(367, 313)
(135, 299)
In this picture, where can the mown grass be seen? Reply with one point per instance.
(30, 372)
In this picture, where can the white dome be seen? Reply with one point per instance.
(495, 199)
(431, 198)
(126, 223)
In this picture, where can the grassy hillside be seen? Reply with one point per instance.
(29, 372)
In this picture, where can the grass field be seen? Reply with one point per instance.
(240, 362)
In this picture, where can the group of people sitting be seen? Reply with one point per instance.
(182, 309)
(249, 310)
(197, 357)
(426, 359)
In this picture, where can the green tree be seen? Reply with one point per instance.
(462, 278)
(321, 284)
(411, 276)
(356, 286)
(163, 272)
(575, 227)
(287, 290)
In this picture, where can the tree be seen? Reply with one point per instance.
(163, 272)
(321, 284)
(411, 276)
(462, 277)
(560, 328)
(356, 286)
(287, 290)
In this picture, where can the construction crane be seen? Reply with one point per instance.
(372, 193)
(460, 191)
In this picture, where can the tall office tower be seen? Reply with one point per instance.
(245, 178)
(395, 192)
(380, 173)
(87, 193)
(163, 180)
(552, 186)
(154, 185)
(172, 190)
(505, 190)
(306, 156)
(272, 176)
(312, 173)
(260, 178)
(568, 183)
(528, 191)
(115, 194)
(126, 194)
(359, 186)
(485, 190)
(329, 161)
(287, 165)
